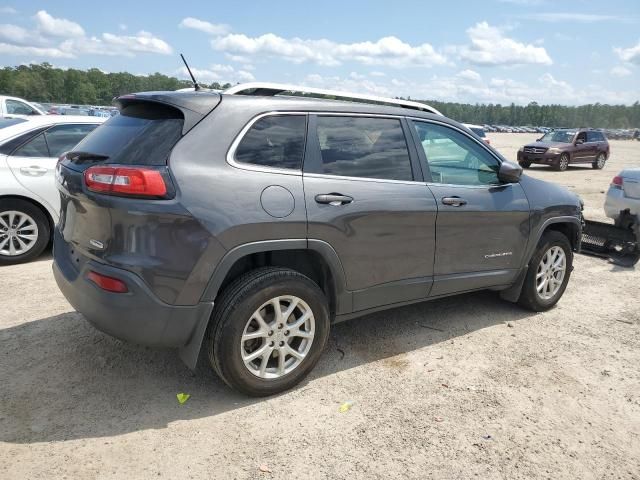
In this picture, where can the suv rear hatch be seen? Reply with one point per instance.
(119, 202)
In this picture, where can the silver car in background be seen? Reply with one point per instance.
(623, 194)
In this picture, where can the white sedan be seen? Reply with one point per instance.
(624, 194)
(18, 107)
(29, 199)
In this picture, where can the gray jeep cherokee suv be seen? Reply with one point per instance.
(249, 223)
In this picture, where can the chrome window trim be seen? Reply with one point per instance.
(363, 179)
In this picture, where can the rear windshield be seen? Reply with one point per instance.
(143, 134)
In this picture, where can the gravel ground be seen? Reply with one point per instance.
(464, 387)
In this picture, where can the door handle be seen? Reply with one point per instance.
(33, 171)
(334, 199)
(454, 201)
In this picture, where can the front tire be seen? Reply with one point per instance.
(548, 273)
(600, 162)
(24, 231)
(268, 331)
(563, 162)
(525, 164)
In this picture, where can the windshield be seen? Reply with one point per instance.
(561, 136)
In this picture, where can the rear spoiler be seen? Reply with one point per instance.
(193, 105)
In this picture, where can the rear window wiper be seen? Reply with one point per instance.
(81, 157)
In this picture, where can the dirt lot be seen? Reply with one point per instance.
(466, 387)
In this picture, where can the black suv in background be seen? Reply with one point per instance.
(561, 148)
(249, 222)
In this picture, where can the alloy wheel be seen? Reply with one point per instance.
(277, 337)
(601, 160)
(551, 272)
(18, 233)
(564, 162)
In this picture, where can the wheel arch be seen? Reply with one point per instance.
(569, 226)
(314, 258)
(48, 214)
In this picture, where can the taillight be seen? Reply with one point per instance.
(109, 284)
(617, 181)
(143, 182)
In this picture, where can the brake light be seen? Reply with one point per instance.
(109, 284)
(617, 181)
(144, 182)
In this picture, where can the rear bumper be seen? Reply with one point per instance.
(615, 201)
(137, 316)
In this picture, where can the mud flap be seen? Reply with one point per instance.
(617, 243)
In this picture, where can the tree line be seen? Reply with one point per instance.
(45, 83)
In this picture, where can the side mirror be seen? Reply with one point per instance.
(509, 172)
(579, 141)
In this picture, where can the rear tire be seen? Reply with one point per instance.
(530, 297)
(20, 221)
(600, 162)
(563, 162)
(245, 322)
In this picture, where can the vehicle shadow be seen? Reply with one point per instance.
(64, 380)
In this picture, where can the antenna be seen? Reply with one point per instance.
(193, 79)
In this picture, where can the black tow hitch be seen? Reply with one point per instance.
(618, 243)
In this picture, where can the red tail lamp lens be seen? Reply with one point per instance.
(109, 284)
(617, 181)
(125, 181)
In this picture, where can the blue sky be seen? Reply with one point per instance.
(498, 51)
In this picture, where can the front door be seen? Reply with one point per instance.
(366, 198)
(483, 225)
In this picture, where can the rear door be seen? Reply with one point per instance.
(34, 162)
(483, 225)
(366, 198)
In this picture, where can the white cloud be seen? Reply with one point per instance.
(50, 52)
(57, 27)
(377, 74)
(113, 45)
(389, 51)
(490, 47)
(620, 71)
(631, 54)
(471, 75)
(122, 26)
(217, 73)
(62, 38)
(204, 26)
(556, 17)
(8, 10)
(546, 89)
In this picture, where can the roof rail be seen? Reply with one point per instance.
(272, 89)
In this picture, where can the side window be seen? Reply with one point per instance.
(582, 136)
(18, 108)
(63, 138)
(594, 137)
(36, 147)
(274, 141)
(364, 147)
(454, 158)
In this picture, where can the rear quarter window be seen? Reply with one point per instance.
(274, 141)
(143, 134)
